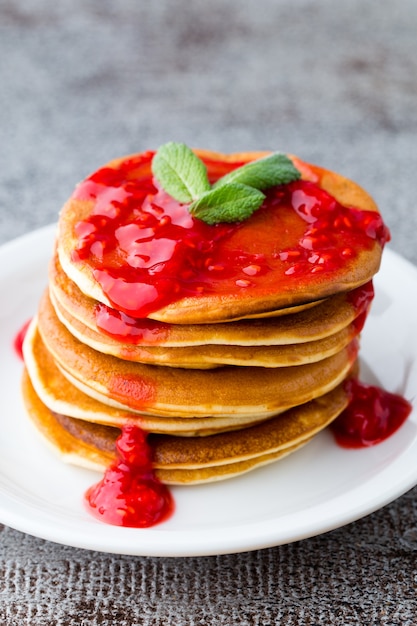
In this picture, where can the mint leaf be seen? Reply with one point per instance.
(180, 172)
(230, 203)
(275, 169)
(234, 197)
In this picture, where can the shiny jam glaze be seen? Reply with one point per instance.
(146, 250)
(19, 339)
(372, 416)
(129, 329)
(129, 494)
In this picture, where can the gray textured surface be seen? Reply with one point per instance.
(336, 83)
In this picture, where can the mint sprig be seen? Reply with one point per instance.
(181, 173)
(234, 197)
(269, 171)
(231, 203)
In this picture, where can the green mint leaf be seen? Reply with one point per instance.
(180, 172)
(275, 169)
(230, 203)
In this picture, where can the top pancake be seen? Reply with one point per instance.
(270, 236)
(315, 322)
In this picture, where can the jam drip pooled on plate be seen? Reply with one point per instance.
(372, 416)
(130, 494)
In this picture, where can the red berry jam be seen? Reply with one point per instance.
(128, 329)
(147, 251)
(19, 339)
(129, 494)
(372, 416)
(361, 298)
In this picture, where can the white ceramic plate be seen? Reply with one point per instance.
(317, 489)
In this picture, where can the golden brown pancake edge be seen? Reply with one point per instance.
(175, 460)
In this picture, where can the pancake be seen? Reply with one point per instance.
(188, 461)
(85, 309)
(185, 392)
(267, 331)
(296, 257)
(320, 320)
(60, 396)
(208, 356)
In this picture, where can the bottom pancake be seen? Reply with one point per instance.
(179, 460)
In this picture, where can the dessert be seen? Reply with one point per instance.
(212, 302)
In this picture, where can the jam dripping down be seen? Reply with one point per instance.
(361, 299)
(19, 339)
(129, 494)
(371, 416)
(129, 329)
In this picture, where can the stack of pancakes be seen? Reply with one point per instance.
(221, 384)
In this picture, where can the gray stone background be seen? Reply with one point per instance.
(82, 82)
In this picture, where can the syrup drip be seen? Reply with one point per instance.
(372, 416)
(129, 494)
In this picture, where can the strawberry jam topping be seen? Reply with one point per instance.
(19, 339)
(147, 251)
(130, 494)
(372, 416)
(129, 329)
(361, 299)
